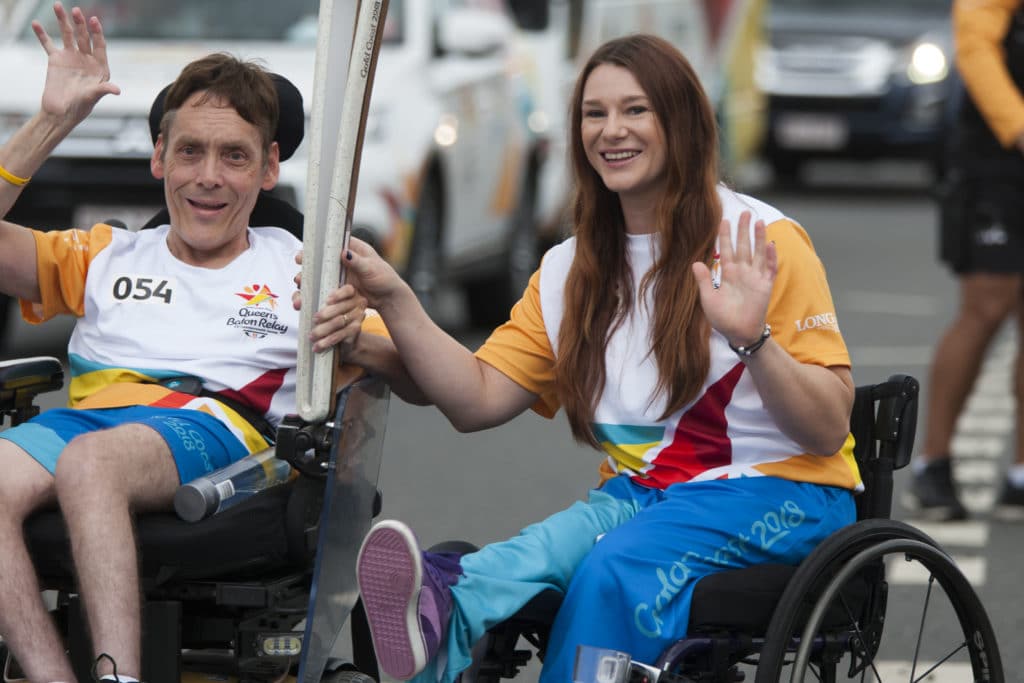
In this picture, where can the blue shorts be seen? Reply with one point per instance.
(199, 442)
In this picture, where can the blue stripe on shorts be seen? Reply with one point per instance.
(199, 442)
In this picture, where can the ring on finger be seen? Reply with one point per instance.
(344, 319)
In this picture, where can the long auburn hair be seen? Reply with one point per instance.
(599, 288)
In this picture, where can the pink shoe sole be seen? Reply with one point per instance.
(390, 576)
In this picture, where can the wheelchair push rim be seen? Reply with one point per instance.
(871, 596)
(979, 638)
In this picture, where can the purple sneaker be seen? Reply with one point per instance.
(406, 595)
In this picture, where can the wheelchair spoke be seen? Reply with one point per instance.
(920, 631)
(939, 663)
(861, 638)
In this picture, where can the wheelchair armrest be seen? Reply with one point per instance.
(896, 421)
(21, 380)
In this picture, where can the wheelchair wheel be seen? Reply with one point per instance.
(830, 621)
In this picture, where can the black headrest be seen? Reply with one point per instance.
(290, 125)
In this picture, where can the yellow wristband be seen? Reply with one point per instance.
(17, 181)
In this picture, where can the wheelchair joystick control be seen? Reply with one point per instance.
(225, 488)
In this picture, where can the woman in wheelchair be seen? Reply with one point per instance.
(160, 304)
(689, 333)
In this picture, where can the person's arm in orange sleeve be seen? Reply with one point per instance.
(979, 28)
(471, 393)
(810, 403)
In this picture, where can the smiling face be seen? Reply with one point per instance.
(622, 136)
(213, 166)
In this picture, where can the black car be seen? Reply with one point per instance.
(857, 79)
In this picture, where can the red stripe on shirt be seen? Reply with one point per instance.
(701, 440)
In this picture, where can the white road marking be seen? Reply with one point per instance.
(961, 534)
(977, 472)
(978, 501)
(965, 446)
(914, 574)
(990, 405)
(974, 420)
(949, 672)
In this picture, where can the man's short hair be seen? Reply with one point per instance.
(245, 86)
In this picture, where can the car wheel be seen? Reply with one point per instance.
(423, 270)
(490, 299)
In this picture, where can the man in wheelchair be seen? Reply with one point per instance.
(183, 357)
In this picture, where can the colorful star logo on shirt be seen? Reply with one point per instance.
(257, 295)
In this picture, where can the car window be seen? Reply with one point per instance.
(202, 20)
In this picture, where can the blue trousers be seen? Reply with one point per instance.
(627, 560)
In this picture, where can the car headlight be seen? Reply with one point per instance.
(928, 64)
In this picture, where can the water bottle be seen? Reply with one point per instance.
(601, 665)
(229, 486)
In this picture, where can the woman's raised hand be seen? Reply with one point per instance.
(77, 74)
(737, 305)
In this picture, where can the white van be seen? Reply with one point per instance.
(449, 164)
(446, 179)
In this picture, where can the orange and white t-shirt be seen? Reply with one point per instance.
(144, 316)
(726, 432)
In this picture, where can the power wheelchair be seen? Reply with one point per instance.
(824, 620)
(224, 598)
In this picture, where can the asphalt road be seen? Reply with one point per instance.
(874, 228)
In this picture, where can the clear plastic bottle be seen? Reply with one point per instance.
(228, 486)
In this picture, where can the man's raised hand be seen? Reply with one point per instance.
(77, 74)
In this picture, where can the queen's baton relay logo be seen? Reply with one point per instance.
(256, 317)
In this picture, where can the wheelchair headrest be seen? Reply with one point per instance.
(291, 123)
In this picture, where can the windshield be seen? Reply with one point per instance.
(291, 21)
(229, 20)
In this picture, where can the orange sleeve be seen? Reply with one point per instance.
(62, 261)
(801, 311)
(521, 350)
(979, 27)
(374, 324)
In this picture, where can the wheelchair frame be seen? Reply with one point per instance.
(806, 617)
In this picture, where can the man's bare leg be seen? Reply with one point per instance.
(101, 478)
(986, 300)
(26, 626)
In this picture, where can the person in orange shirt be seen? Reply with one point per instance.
(689, 334)
(983, 242)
